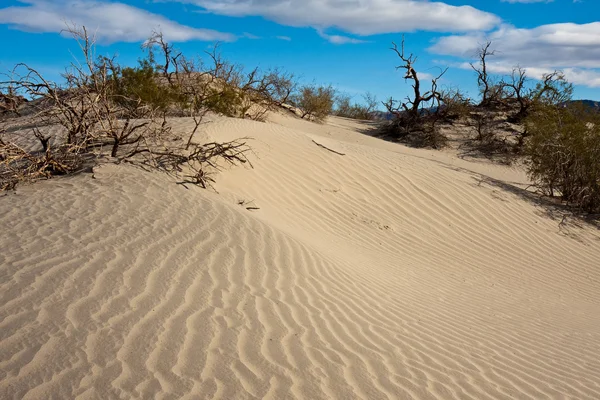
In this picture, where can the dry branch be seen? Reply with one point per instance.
(327, 148)
(109, 111)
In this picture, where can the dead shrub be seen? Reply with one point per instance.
(108, 111)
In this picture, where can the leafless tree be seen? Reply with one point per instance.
(553, 89)
(413, 105)
(517, 84)
(484, 80)
(167, 52)
(410, 117)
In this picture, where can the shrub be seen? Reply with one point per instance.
(276, 86)
(141, 85)
(9, 101)
(105, 110)
(564, 153)
(455, 104)
(226, 100)
(345, 108)
(315, 102)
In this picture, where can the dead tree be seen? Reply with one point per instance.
(517, 83)
(168, 53)
(483, 77)
(413, 105)
(409, 115)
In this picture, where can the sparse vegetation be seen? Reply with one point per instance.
(344, 107)
(455, 105)
(108, 111)
(9, 101)
(315, 102)
(492, 93)
(563, 153)
(412, 122)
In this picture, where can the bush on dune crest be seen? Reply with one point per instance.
(315, 102)
(347, 109)
(109, 111)
(563, 153)
(104, 110)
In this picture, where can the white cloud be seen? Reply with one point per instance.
(338, 39)
(425, 76)
(360, 17)
(574, 48)
(112, 22)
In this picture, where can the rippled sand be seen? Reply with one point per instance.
(386, 273)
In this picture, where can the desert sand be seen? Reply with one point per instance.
(383, 273)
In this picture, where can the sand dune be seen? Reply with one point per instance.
(385, 273)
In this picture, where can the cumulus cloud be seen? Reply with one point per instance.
(339, 39)
(574, 48)
(112, 22)
(360, 17)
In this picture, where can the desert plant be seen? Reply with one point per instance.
(315, 102)
(491, 92)
(10, 101)
(517, 85)
(18, 164)
(344, 107)
(552, 89)
(412, 121)
(455, 104)
(106, 110)
(282, 86)
(482, 123)
(140, 85)
(563, 151)
(412, 106)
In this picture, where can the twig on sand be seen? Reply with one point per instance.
(243, 203)
(327, 148)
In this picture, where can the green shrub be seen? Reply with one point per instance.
(140, 85)
(226, 100)
(564, 153)
(345, 108)
(315, 102)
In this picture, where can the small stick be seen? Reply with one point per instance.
(327, 148)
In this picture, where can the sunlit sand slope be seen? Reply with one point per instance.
(383, 273)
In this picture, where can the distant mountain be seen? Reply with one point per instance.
(588, 103)
(382, 115)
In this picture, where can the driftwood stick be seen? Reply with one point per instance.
(327, 148)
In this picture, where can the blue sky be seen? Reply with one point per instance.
(340, 42)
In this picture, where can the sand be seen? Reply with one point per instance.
(385, 273)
